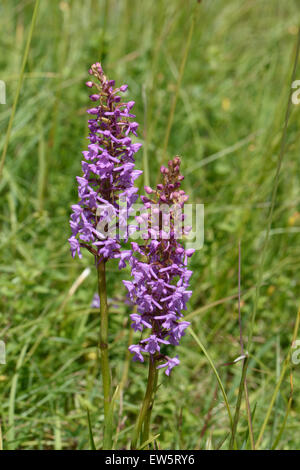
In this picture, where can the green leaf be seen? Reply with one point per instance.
(92, 443)
(149, 441)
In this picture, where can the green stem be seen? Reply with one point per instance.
(147, 421)
(105, 370)
(146, 405)
(232, 444)
(283, 145)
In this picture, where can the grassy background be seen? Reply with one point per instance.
(227, 127)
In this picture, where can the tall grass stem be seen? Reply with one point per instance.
(20, 81)
(178, 84)
(274, 194)
(278, 385)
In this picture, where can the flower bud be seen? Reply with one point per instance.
(148, 189)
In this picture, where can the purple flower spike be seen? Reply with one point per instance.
(160, 283)
(108, 172)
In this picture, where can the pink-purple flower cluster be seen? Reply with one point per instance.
(108, 169)
(160, 277)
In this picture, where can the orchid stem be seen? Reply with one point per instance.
(105, 370)
(146, 408)
(147, 420)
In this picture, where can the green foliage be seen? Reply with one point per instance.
(227, 127)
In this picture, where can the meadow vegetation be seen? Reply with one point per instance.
(211, 84)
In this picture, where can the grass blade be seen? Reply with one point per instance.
(288, 408)
(21, 76)
(149, 441)
(276, 390)
(203, 349)
(274, 194)
(108, 429)
(178, 84)
(238, 403)
(12, 399)
(92, 443)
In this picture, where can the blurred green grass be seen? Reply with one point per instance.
(227, 127)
